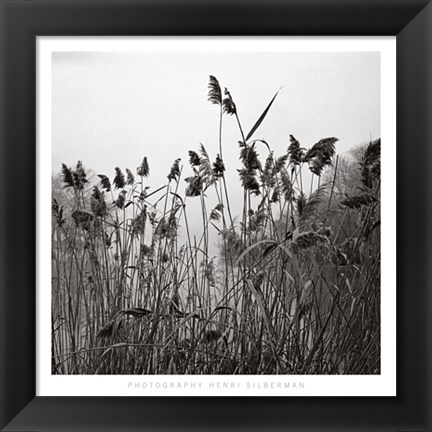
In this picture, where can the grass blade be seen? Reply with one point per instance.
(262, 117)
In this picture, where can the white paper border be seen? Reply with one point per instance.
(221, 385)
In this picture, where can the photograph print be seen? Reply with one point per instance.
(216, 213)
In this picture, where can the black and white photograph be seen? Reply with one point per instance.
(216, 213)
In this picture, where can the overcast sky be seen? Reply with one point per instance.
(111, 109)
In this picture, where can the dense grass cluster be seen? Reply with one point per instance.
(295, 288)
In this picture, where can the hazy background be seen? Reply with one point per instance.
(112, 109)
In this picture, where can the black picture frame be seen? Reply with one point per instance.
(22, 21)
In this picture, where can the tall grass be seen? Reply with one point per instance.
(295, 288)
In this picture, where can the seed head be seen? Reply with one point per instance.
(175, 170)
(215, 92)
(218, 167)
(143, 170)
(130, 177)
(106, 184)
(119, 179)
(228, 103)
